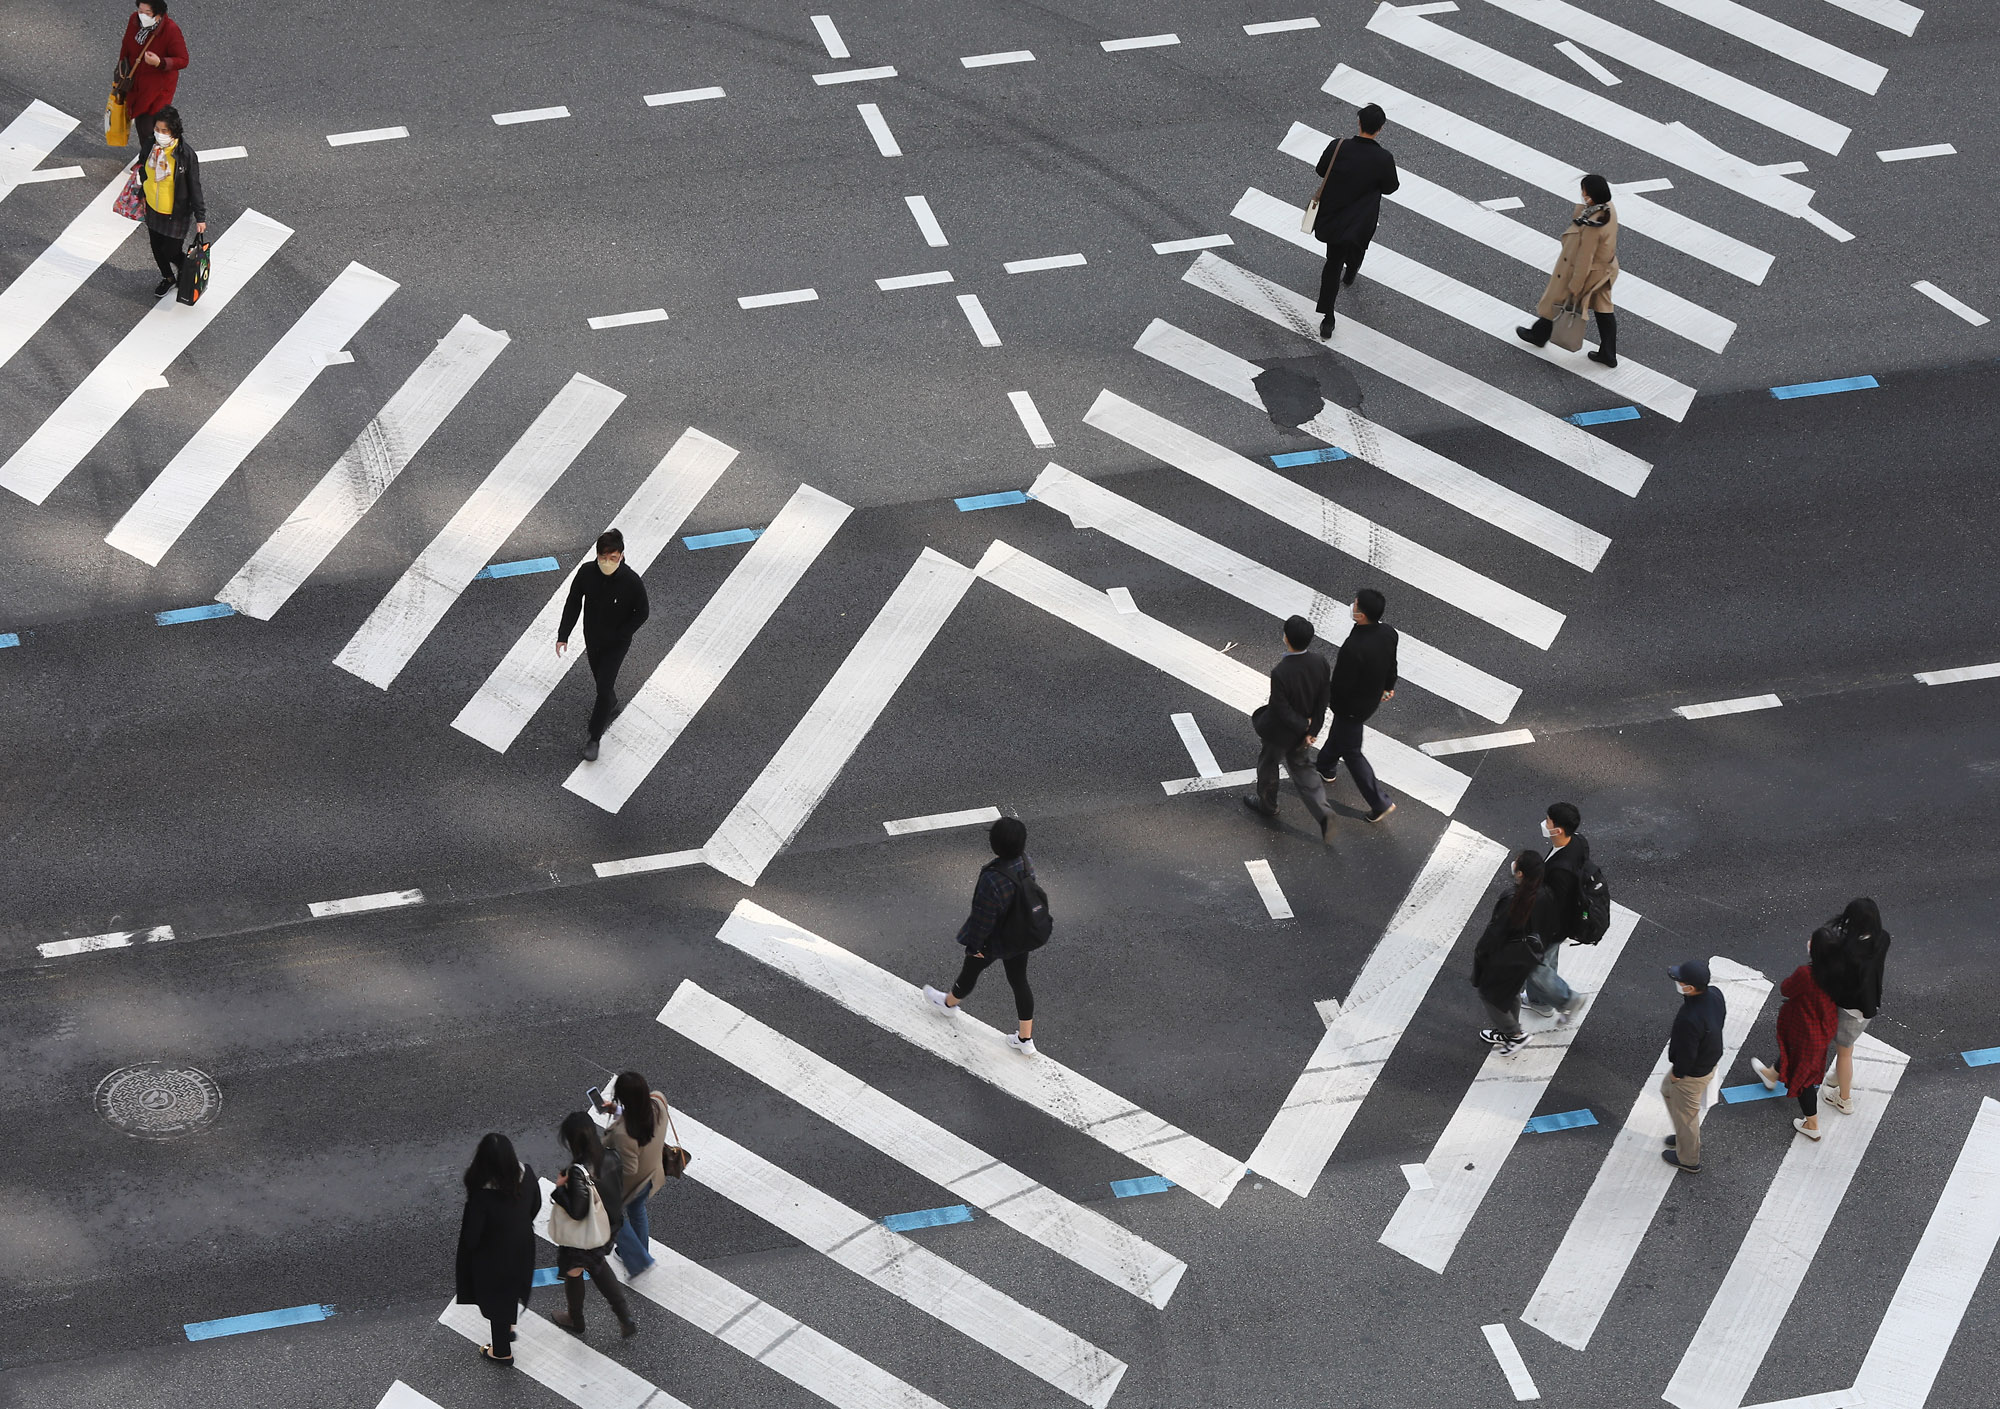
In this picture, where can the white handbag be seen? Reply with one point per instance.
(1311, 217)
(593, 1230)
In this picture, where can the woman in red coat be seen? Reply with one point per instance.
(150, 61)
(1806, 1027)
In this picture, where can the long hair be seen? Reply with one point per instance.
(1861, 918)
(580, 1138)
(494, 1165)
(1526, 888)
(637, 1098)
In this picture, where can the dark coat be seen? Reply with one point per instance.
(574, 1195)
(496, 1248)
(151, 88)
(1300, 694)
(1695, 1045)
(1563, 879)
(1351, 204)
(612, 607)
(1506, 954)
(1849, 966)
(190, 205)
(1364, 670)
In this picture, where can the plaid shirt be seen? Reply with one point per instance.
(990, 900)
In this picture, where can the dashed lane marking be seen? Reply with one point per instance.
(371, 134)
(1744, 705)
(530, 115)
(854, 75)
(1012, 56)
(117, 939)
(941, 821)
(878, 128)
(683, 95)
(358, 904)
(627, 320)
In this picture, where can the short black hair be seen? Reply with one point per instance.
(1372, 118)
(1597, 188)
(1565, 816)
(171, 116)
(610, 541)
(1009, 838)
(158, 7)
(1372, 604)
(1298, 632)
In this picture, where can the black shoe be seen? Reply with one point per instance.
(590, 751)
(1378, 816)
(1672, 1140)
(628, 1329)
(1326, 326)
(1527, 335)
(1257, 807)
(1326, 828)
(1608, 359)
(164, 286)
(1675, 1160)
(1347, 279)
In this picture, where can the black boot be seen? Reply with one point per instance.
(1537, 333)
(572, 1319)
(1326, 326)
(1607, 340)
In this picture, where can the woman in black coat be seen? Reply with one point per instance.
(1849, 953)
(496, 1240)
(186, 209)
(1510, 949)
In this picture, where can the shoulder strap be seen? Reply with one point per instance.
(1329, 168)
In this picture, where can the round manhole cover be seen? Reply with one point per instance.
(158, 1100)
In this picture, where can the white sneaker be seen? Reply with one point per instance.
(1024, 1045)
(1566, 1016)
(1831, 1099)
(1764, 1074)
(1799, 1124)
(938, 996)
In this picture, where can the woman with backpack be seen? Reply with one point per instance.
(588, 1208)
(170, 180)
(496, 1241)
(1510, 949)
(1009, 921)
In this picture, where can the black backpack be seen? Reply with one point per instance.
(1592, 920)
(1027, 924)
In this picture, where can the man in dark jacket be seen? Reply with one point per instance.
(1693, 1052)
(1546, 991)
(1289, 722)
(1004, 882)
(1359, 171)
(612, 601)
(1364, 675)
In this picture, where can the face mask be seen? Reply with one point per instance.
(1545, 830)
(148, 21)
(164, 139)
(606, 568)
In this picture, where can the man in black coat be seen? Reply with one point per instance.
(1289, 722)
(1364, 675)
(1359, 171)
(1546, 991)
(1694, 1050)
(612, 601)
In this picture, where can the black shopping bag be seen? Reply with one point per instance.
(194, 272)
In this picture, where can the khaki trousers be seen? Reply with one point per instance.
(1683, 1095)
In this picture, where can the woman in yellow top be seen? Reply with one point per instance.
(1585, 271)
(170, 176)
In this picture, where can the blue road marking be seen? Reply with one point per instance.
(1599, 418)
(1308, 457)
(1755, 1091)
(990, 501)
(1565, 1120)
(1792, 393)
(1151, 1184)
(717, 540)
(9, 638)
(550, 1277)
(927, 1218)
(256, 1321)
(181, 614)
(1984, 1057)
(520, 569)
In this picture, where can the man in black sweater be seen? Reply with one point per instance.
(612, 602)
(1289, 722)
(1358, 172)
(1693, 1052)
(1364, 675)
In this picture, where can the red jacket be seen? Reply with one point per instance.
(152, 88)
(1806, 1027)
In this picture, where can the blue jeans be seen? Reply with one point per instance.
(633, 1238)
(1546, 988)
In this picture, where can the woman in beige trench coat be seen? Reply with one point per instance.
(1585, 272)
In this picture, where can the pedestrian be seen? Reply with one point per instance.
(1289, 722)
(1546, 991)
(589, 1208)
(150, 59)
(496, 1240)
(639, 1136)
(1508, 951)
(1364, 677)
(1849, 953)
(1693, 1051)
(1355, 173)
(612, 601)
(1009, 921)
(1584, 273)
(170, 180)
(1807, 1023)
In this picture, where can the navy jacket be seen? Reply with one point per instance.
(1696, 1044)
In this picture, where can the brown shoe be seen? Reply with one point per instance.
(561, 1318)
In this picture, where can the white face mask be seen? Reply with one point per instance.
(148, 21)
(1545, 830)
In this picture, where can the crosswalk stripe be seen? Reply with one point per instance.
(61, 442)
(1475, 1142)
(1443, 383)
(770, 814)
(1771, 1263)
(1395, 455)
(1675, 142)
(36, 130)
(1892, 13)
(401, 1396)
(524, 680)
(420, 597)
(1083, 1236)
(1042, 1082)
(1504, 153)
(1473, 307)
(902, 1268)
(714, 641)
(553, 1357)
(1090, 505)
(1339, 527)
(1531, 247)
(1806, 50)
(1386, 995)
(360, 476)
(1608, 1227)
(169, 504)
(1222, 677)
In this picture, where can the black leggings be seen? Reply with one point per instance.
(167, 253)
(1809, 1102)
(1016, 966)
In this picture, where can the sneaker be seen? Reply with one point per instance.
(628, 1329)
(1799, 1124)
(1491, 1037)
(1675, 1160)
(1536, 1008)
(1383, 813)
(1834, 1100)
(1565, 1016)
(1512, 1044)
(1024, 1045)
(1257, 807)
(937, 996)
(165, 286)
(1764, 1074)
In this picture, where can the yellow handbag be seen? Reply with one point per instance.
(117, 122)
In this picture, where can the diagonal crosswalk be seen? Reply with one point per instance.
(1775, 36)
(41, 289)
(36, 130)
(554, 1358)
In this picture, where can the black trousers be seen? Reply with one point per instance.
(605, 658)
(1341, 260)
(502, 1333)
(1809, 1102)
(1016, 966)
(167, 253)
(1343, 745)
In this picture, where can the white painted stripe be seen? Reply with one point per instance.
(1939, 296)
(774, 300)
(1505, 203)
(1442, 382)
(224, 154)
(1090, 505)
(920, 211)
(554, 1358)
(1221, 677)
(90, 944)
(36, 130)
(1175, 787)
(1476, 743)
(897, 1265)
(1012, 56)
(1511, 1363)
(522, 682)
(1268, 891)
(62, 442)
(1121, 598)
(1199, 242)
(1892, 13)
(252, 411)
(51, 173)
(1396, 455)
(1623, 188)
(769, 815)
(1415, 1175)
(1281, 26)
(401, 1396)
(1940, 149)
(1054, 261)
(1806, 50)
(661, 710)
(1385, 997)
(854, 75)
(1475, 309)
(1559, 178)
(1771, 1263)
(1605, 1234)
(530, 115)
(1587, 64)
(640, 865)
(1031, 420)
(878, 128)
(1184, 724)
(413, 607)
(1739, 706)
(1066, 1228)
(372, 134)
(1146, 41)
(1820, 222)
(360, 476)
(941, 821)
(1475, 1143)
(913, 281)
(1333, 524)
(1044, 1083)
(1783, 168)
(683, 95)
(1438, 7)
(627, 320)
(1958, 675)
(356, 904)
(836, 47)
(975, 314)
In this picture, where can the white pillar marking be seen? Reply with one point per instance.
(36, 130)
(1268, 890)
(920, 211)
(982, 326)
(1511, 1363)
(878, 128)
(1892, 13)
(941, 821)
(1744, 705)
(836, 47)
(1806, 50)
(1184, 724)
(1587, 64)
(1944, 300)
(1031, 420)
(554, 1358)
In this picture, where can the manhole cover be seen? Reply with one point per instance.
(159, 1101)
